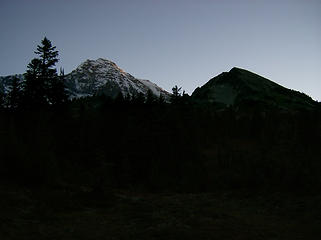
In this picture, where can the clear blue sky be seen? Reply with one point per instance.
(172, 42)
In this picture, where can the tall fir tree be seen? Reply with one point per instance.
(43, 85)
(49, 57)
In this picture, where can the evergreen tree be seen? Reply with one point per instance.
(14, 98)
(176, 94)
(43, 85)
(49, 57)
(34, 88)
(56, 91)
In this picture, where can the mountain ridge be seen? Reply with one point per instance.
(240, 87)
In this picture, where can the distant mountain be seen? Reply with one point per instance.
(101, 76)
(242, 88)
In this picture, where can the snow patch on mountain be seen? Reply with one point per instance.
(152, 86)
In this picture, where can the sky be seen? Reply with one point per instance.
(171, 42)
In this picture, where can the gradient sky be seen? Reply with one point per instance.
(171, 42)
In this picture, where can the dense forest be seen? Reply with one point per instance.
(146, 144)
(168, 147)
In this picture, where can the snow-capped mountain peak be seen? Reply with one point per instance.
(103, 76)
(100, 63)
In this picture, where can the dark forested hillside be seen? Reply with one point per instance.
(162, 147)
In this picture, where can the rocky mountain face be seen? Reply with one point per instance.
(240, 87)
(101, 76)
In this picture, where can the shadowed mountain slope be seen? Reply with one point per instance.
(242, 88)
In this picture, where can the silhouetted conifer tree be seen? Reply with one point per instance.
(56, 91)
(48, 56)
(14, 98)
(35, 87)
(176, 94)
(43, 86)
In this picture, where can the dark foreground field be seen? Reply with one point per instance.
(70, 213)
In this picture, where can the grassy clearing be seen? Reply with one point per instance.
(71, 214)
